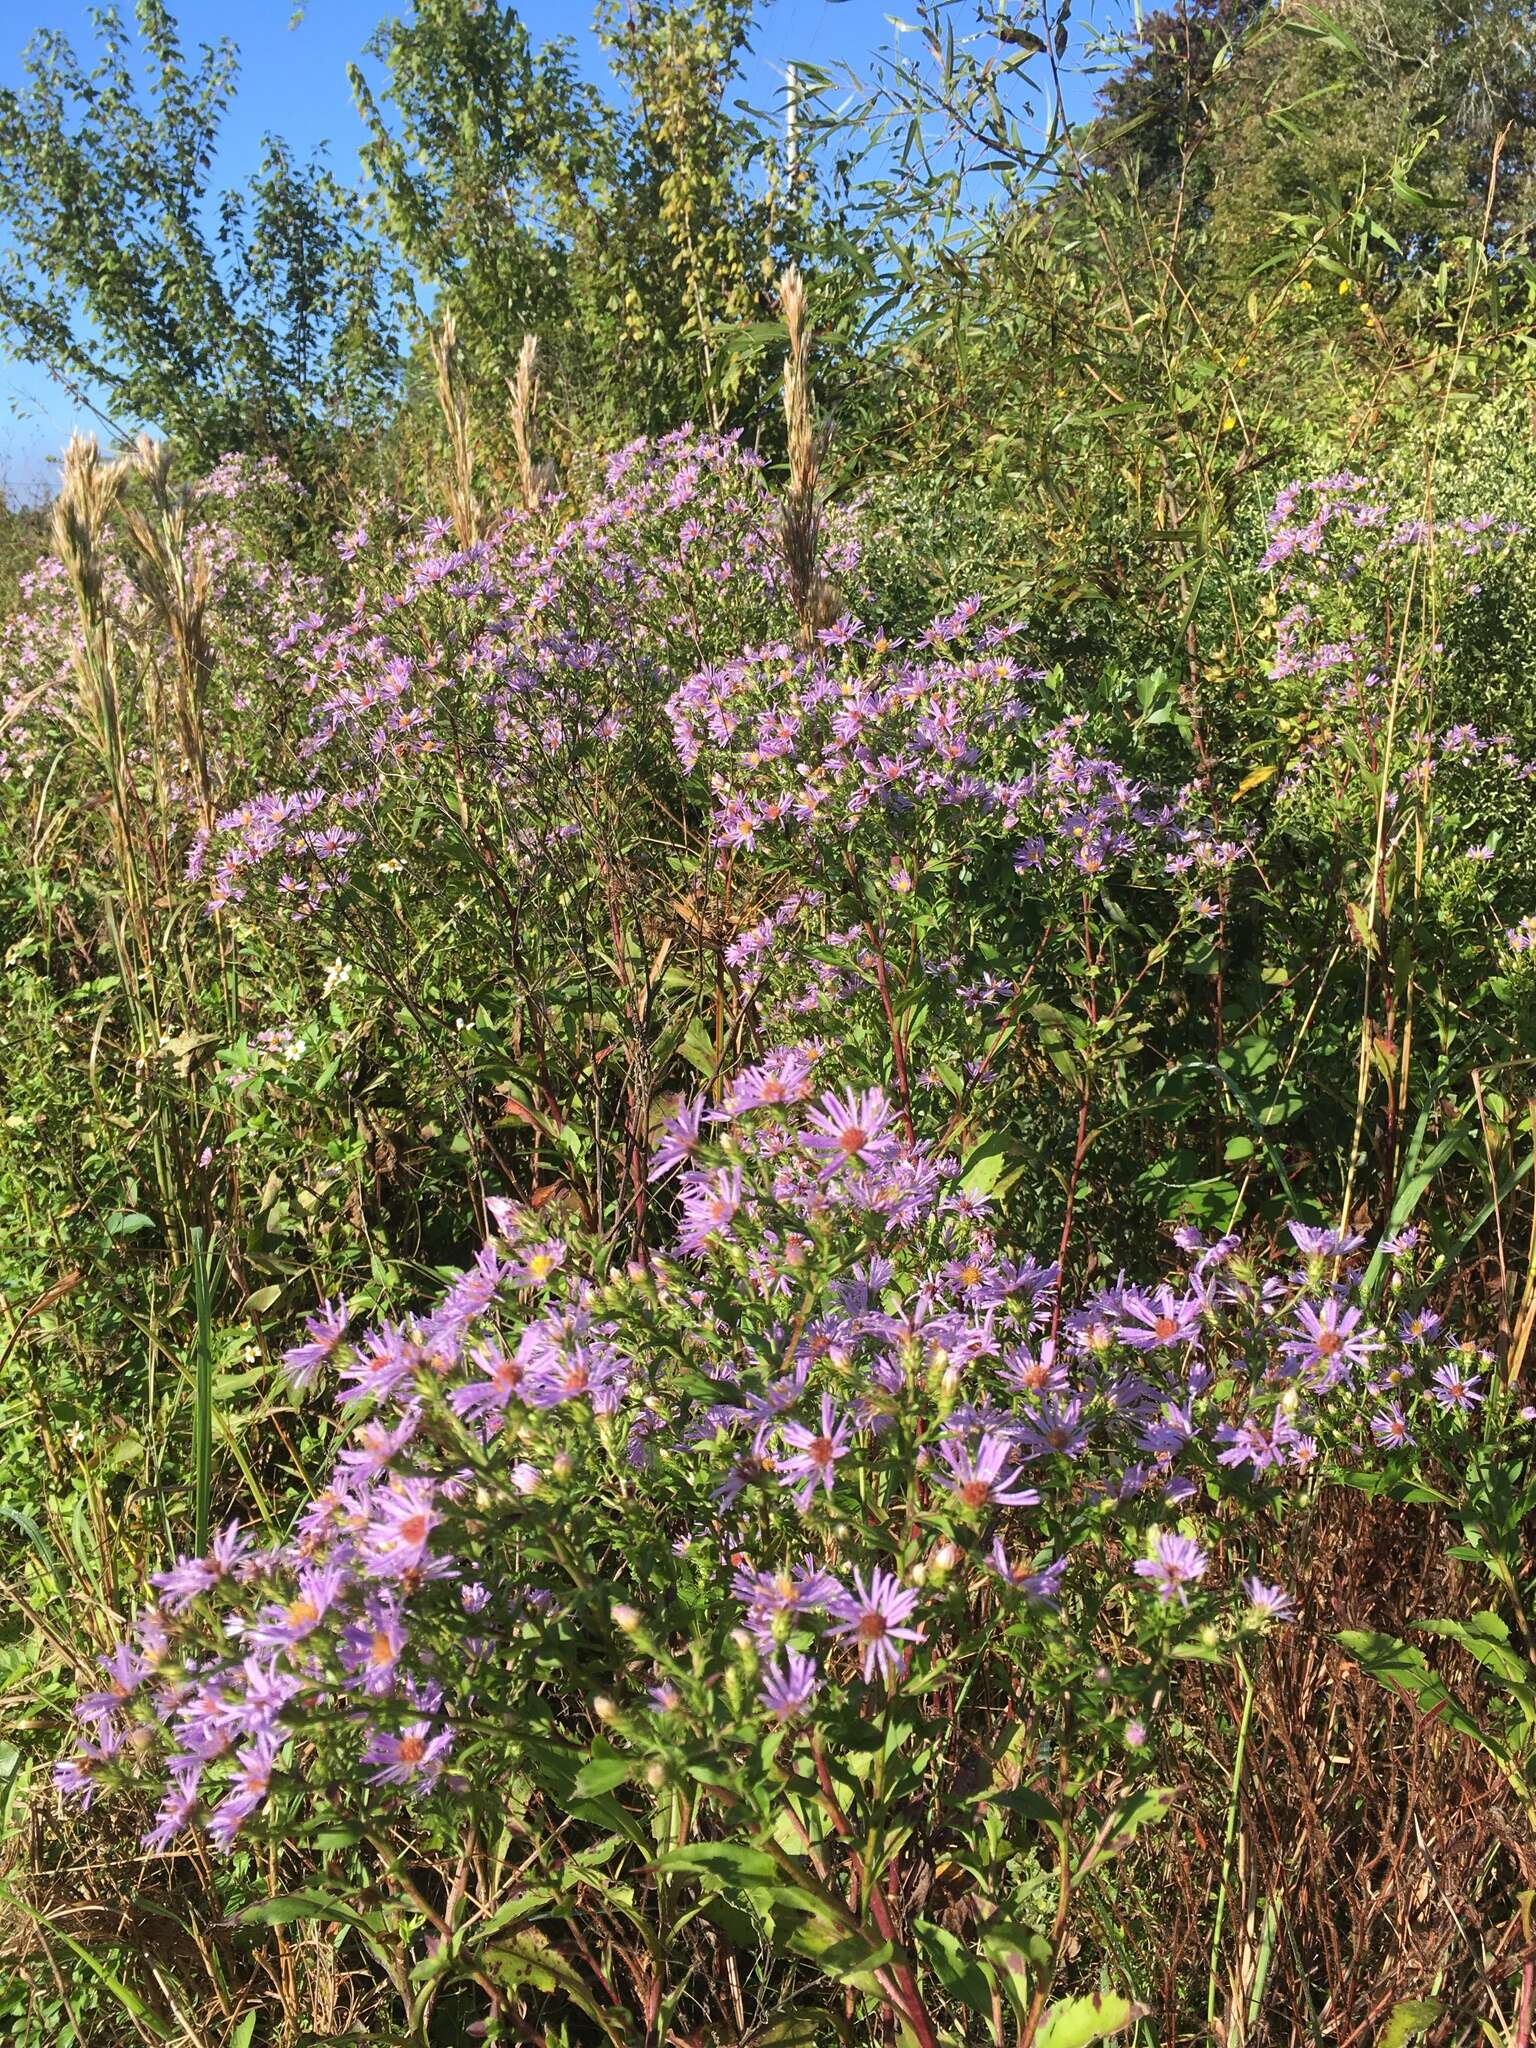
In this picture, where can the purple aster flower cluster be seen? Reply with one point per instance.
(856, 1428)
(506, 668)
(863, 729)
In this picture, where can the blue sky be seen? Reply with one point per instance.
(293, 83)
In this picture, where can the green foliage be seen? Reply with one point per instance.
(1067, 371)
(261, 328)
(624, 234)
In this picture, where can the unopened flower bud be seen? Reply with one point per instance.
(625, 1617)
(656, 1775)
(605, 1708)
(561, 1465)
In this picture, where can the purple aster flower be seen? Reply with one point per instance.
(369, 1649)
(1318, 1242)
(1056, 1426)
(1035, 1373)
(402, 1518)
(1252, 1442)
(374, 1445)
(985, 1478)
(255, 1764)
(1041, 1588)
(413, 1757)
(853, 1130)
(326, 1330)
(782, 1078)
(1159, 1322)
(679, 1140)
(535, 1265)
(816, 1453)
(190, 1576)
(1390, 1428)
(125, 1671)
(178, 1806)
(1269, 1603)
(789, 1685)
(1403, 1241)
(1419, 1327)
(1176, 1562)
(1455, 1388)
(710, 1202)
(1330, 1341)
(771, 1598)
(873, 1618)
(281, 1626)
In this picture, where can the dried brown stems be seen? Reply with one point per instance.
(801, 516)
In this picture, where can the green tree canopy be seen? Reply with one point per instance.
(248, 319)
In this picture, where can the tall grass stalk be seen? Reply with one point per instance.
(801, 515)
(453, 403)
(524, 389)
(202, 1401)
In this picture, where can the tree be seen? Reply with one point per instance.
(249, 321)
(623, 231)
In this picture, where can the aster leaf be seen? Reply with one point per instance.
(1407, 2019)
(961, 1973)
(1403, 1670)
(1076, 2022)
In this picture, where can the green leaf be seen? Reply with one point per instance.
(1015, 1948)
(601, 1775)
(983, 1169)
(1402, 1669)
(1486, 1637)
(1139, 1809)
(1075, 2022)
(847, 1958)
(727, 1862)
(1410, 2016)
(126, 1222)
(961, 1974)
(289, 1907)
